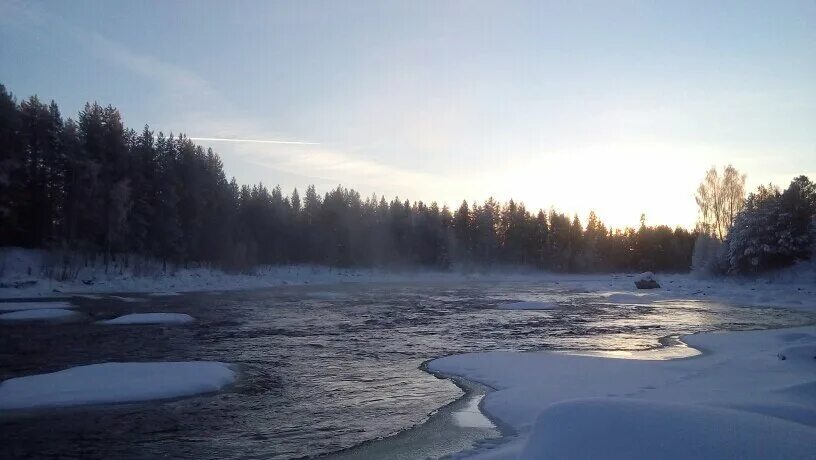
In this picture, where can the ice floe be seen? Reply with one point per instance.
(151, 318)
(115, 383)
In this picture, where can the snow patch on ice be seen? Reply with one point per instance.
(17, 306)
(115, 383)
(38, 314)
(126, 299)
(151, 318)
(627, 298)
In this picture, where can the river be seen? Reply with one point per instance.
(324, 368)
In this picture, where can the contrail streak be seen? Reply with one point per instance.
(257, 141)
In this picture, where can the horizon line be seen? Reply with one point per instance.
(257, 141)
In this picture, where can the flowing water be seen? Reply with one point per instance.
(322, 368)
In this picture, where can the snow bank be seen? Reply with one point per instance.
(114, 383)
(529, 305)
(739, 383)
(17, 306)
(35, 314)
(126, 299)
(794, 292)
(151, 318)
(634, 429)
(626, 298)
(21, 311)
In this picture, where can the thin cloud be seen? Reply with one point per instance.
(255, 141)
(168, 76)
(164, 73)
(331, 166)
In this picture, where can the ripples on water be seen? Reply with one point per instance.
(322, 368)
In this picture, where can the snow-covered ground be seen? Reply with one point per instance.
(739, 399)
(644, 429)
(151, 318)
(115, 383)
(26, 273)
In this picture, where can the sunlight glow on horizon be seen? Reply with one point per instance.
(619, 181)
(616, 108)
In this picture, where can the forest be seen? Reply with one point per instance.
(94, 186)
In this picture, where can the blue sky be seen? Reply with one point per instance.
(613, 106)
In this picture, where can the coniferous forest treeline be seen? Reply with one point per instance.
(93, 186)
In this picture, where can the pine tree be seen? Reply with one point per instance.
(165, 229)
(11, 167)
(143, 168)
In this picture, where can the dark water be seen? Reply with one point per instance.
(323, 368)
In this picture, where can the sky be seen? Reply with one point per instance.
(613, 106)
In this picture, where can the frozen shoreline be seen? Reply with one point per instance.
(535, 394)
(739, 377)
(443, 434)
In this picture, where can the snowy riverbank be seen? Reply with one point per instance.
(23, 276)
(750, 395)
(28, 274)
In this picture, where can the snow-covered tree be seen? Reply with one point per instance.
(774, 229)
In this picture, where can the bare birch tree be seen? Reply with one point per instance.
(719, 198)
